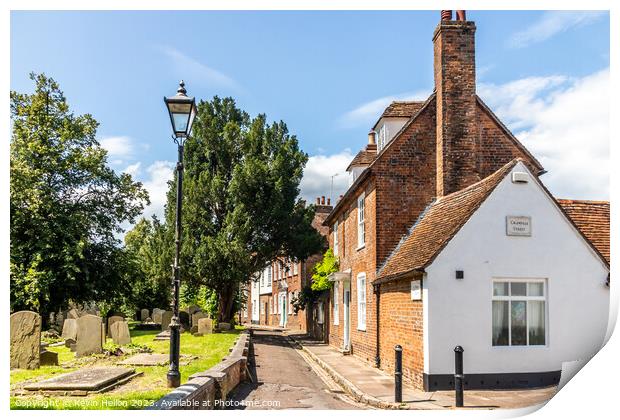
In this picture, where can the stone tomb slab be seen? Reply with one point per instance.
(147, 359)
(90, 379)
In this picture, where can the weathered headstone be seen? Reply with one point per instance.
(73, 314)
(194, 329)
(25, 340)
(205, 326)
(119, 331)
(69, 329)
(87, 379)
(224, 326)
(166, 317)
(196, 316)
(184, 319)
(157, 314)
(144, 314)
(148, 320)
(112, 320)
(192, 309)
(146, 359)
(48, 358)
(90, 335)
(70, 343)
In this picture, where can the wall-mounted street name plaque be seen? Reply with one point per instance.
(518, 226)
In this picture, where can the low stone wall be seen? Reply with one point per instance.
(208, 390)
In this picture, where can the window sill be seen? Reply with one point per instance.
(359, 248)
(361, 329)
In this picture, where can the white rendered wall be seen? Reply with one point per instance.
(393, 126)
(458, 312)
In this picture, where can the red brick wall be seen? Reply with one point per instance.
(361, 260)
(455, 84)
(401, 322)
(405, 181)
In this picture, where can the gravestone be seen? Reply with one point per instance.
(90, 335)
(205, 326)
(184, 319)
(194, 329)
(146, 359)
(144, 314)
(157, 314)
(48, 358)
(119, 331)
(192, 309)
(69, 329)
(196, 316)
(165, 320)
(73, 314)
(112, 320)
(25, 340)
(88, 379)
(70, 343)
(224, 326)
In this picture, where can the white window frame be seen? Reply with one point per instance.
(361, 301)
(509, 298)
(336, 307)
(336, 238)
(361, 217)
(295, 269)
(269, 269)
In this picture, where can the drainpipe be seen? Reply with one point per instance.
(376, 289)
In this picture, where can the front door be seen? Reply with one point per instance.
(347, 316)
(283, 309)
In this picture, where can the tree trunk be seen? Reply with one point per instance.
(226, 304)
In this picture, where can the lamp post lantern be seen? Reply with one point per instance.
(182, 110)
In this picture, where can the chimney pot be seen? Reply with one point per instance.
(460, 15)
(329, 201)
(446, 15)
(318, 200)
(371, 138)
(323, 200)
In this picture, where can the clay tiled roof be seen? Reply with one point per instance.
(441, 220)
(364, 157)
(402, 109)
(592, 219)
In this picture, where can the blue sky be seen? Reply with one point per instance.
(328, 75)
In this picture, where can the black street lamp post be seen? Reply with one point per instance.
(182, 110)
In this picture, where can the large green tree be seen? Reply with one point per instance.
(66, 205)
(148, 245)
(241, 204)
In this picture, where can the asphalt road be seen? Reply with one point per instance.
(283, 379)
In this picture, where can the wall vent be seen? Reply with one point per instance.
(520, 178)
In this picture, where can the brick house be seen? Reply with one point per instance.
(428, 170)
(270, 293)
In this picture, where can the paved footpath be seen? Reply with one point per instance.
(285, 378)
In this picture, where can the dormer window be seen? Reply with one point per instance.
(383, 137)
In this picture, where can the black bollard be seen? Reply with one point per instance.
(458, 375)
(398, 374)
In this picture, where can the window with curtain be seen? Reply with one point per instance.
(361, 301)
(361, 233)
(518, 311)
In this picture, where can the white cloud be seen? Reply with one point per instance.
(119, 147)
(369, 112)
(133, 170)
(317, 179)
(564, 122)
(156, 183)
(198, 72)
(550, 24)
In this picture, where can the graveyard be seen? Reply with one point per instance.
(112, 363)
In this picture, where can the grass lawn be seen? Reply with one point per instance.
(135, 394)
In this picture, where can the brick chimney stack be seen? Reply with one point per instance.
(455, 87)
